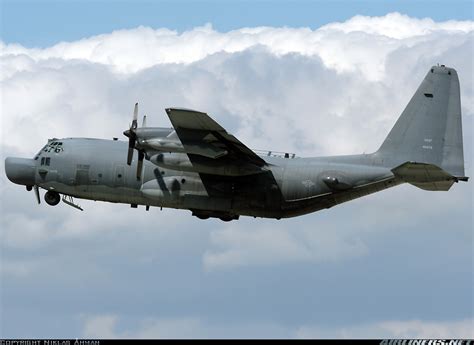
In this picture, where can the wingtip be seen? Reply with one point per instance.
(168, 110)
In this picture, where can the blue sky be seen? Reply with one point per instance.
(395, 264)
(42, 23)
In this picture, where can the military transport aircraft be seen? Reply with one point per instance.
(197, 165)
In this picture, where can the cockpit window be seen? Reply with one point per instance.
(54, 146)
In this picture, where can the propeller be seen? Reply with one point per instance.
(37, 193)
(132, 139)
(132, 135)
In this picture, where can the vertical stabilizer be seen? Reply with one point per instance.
(429, 130)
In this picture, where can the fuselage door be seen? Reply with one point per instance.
(82, 175)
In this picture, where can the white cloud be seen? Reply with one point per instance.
(413, 329)
(398, 26)
(321, 81)
(360, 43)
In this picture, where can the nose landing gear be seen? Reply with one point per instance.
(52, 198)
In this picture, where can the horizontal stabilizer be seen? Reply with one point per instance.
(425, 176)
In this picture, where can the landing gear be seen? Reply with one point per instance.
(52, 198)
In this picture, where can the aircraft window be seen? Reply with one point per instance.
(183, 181)
(58, 147)
(55, 146)
(48, 160)
(429, 95)
(119, 175)
(42, 160)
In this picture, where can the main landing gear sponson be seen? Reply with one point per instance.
(52, 198)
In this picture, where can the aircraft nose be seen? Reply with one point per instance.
(20, 170)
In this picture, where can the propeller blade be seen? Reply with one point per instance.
(130, 154)
(135, 117)
(144, 121)
(141, 155)
(131, 144)
(135, 112)
(132, 135)
(37, 193)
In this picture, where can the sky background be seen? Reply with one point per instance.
(43, 23)
(314, 78)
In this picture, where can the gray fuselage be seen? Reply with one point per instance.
(95, 169)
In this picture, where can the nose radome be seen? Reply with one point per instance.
(20, 170)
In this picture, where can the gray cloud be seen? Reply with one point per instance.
(105, 326)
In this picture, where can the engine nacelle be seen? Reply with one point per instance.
(173, 160)
(163, 144)
(175, 146)
(181, 162)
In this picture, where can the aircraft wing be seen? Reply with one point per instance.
(198, 130)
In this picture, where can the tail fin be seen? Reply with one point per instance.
(429, 129)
